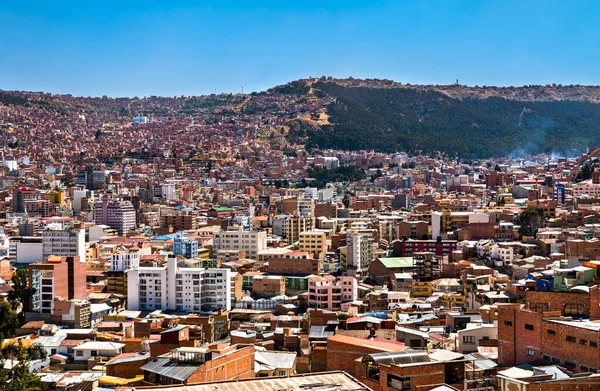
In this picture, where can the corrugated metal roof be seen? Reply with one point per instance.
(409, 356)
(325, 381)
(173, 370)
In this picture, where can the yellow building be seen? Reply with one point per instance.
(203, 253)
(314, 243)
(55, 197)
(450, 300)
(421, 289)
(116, 282)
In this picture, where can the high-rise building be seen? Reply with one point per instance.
(328, 292)
(20, 197)
(314, 243)
(118, 215)
(359, 254)
(294, 225)
(67, 242)
(117, 275)
(175, 288)
(25, 249)
(58, 277)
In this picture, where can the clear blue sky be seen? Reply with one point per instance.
(172, 47)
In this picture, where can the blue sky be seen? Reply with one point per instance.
(140, 48)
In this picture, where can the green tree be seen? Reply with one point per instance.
(8, 320)
(68, 180)
(530, 220)
(17, 377)
(21, 291)
(585, 173)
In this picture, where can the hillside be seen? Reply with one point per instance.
(351, 114)
(388, 117)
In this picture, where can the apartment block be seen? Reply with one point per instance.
(250, 241)
(329, 293)
(58, 277)
(314, 243)
(118, 215)
(176, 288)
(68, 242)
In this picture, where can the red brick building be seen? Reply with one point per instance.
(525, 336)
(342, 351)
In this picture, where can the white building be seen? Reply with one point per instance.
(90, 349)
(306, 207)
(175, 288)
(122, 261)
(502, 255)
(78, 196)
(68, 242)
(250, 241)
(168, 192)
(25, 249)
(359, 254)
(470, 338)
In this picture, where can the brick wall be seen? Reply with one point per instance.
(232, 366)
(519, 336)
(557, 300)
(580, 352)
(127, 370)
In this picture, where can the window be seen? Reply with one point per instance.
(528, 327)
(79, 353)
(539, 307)
(593, 344)
(574, 309)
(571, 339)
(468, 339)
(583, 341)
(508, 323)
(529, 352)
(398, 383)
(551, 332)
(281, 373)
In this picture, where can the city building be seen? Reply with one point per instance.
(178, 288)
(250, 241)
(118, 215)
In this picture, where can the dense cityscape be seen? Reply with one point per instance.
(203, 243)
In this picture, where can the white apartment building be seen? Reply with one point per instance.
(78, 196)
(175, 288)
(122, 261)
(68, 242)
(25, 249)
(359, 253)
(169, 192)
(279, 225)
(250, 241)
(306, 207)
